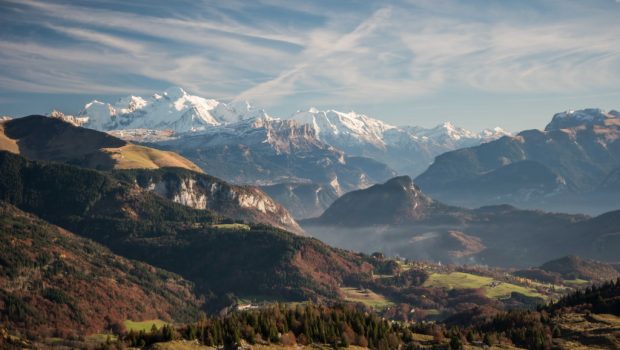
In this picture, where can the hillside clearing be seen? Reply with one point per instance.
(143, 325)
(491, 287)
(232, 227)
(366, 297)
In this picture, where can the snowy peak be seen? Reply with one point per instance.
(446, 130)
(174, 93)
(407, 149)
(352, 127)
(237, 111)
(174, 112)
(173, 109)
(586, 117)
(346, 130)
(492, 134)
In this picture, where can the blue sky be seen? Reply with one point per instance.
(419, 62)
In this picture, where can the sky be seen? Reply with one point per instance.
(477, 63)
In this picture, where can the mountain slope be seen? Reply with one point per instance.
(44, 138)
(54, 283)
(577, 151)
(245, 260)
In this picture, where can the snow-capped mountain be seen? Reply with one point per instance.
(346, 129)
(174, 109)
(176, 114)
(407, 149)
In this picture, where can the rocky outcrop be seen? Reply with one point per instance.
(199, 191)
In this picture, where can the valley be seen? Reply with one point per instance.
(415, 226)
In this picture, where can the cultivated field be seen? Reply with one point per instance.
(492, 288)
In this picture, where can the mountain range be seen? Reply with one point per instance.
(572, 166)
(242, 144)
(357, 134)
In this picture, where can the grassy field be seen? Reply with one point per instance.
(422, 337)
(232, 227)
(187, 345)
(461, 280)
(138, 157)
(367, 297)
(180, 345)
(577, 282)
(100, 338)
(143, 325)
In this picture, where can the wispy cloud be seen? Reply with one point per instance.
(322, 51)
(101, 39)
(396, 53)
